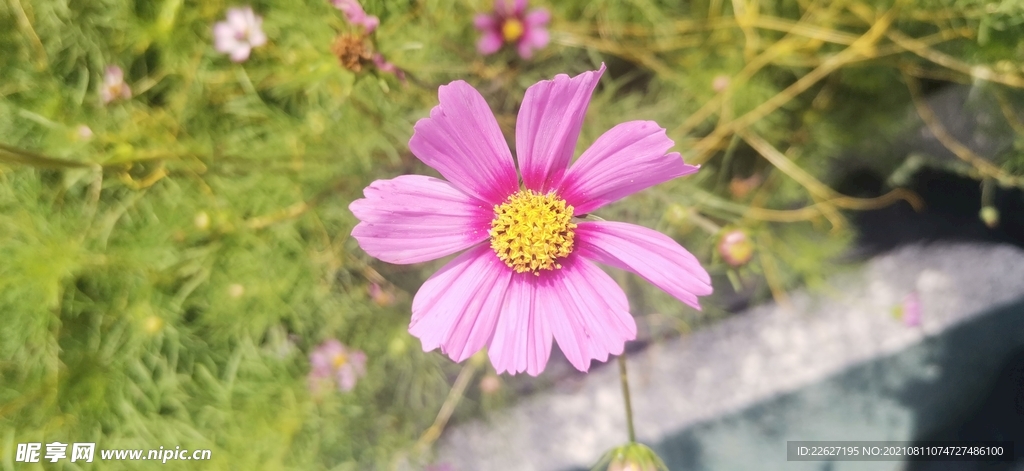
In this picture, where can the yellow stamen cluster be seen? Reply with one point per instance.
(512, 30)
(531, 231)
(339, 360)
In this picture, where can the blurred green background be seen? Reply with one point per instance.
(165, 274)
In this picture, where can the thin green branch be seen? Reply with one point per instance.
(624, 379)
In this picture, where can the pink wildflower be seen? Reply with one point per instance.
(527, 275)
(355, 14)
(239, 34)
(720, 83)
(511, 23)
(114, 87)
(333, 363)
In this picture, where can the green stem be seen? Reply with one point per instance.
(11, 154)
(624, 379)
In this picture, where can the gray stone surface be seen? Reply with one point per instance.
(748, 359)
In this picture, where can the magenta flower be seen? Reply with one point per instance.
(239, 34)
(113, 87)
(333, 363)
(510, 23)
(355, 14)
(527, 275)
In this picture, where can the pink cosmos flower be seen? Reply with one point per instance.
(527, 275)
(355, 14)
(511, 23)
(333, 363)
(239, 34)
(114, 87)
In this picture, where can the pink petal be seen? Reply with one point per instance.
(224, 37)
(519, 7)
(241, 52)
(588, 313)
(538, 17)
(484, 22)
(370, 23)
(457, 308)
(626, 159)
(239, 18)
(346, 378)
(257, 37)
(549, 124)
(509, 8)
(912, 310)
(522, 339)
(358, 361)
(113, 75)
(384, 66)
(536, 36)
(320, 363)
(250, 17)
(489, 43)
(322, 357)
(462, 141)
(524, 48)
(650, 254)
(415, 218)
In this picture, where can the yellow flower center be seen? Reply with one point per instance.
(531, 231)
(339, 360)
(512, 29)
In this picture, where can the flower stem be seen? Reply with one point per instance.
(624, 379)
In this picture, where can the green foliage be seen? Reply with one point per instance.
(165, 275)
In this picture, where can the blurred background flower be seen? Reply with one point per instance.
(113, 87)
(239, 34)
(336, 365)
(511, 23)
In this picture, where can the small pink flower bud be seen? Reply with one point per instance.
(735, 247)
(490, 384)
(720, 83)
